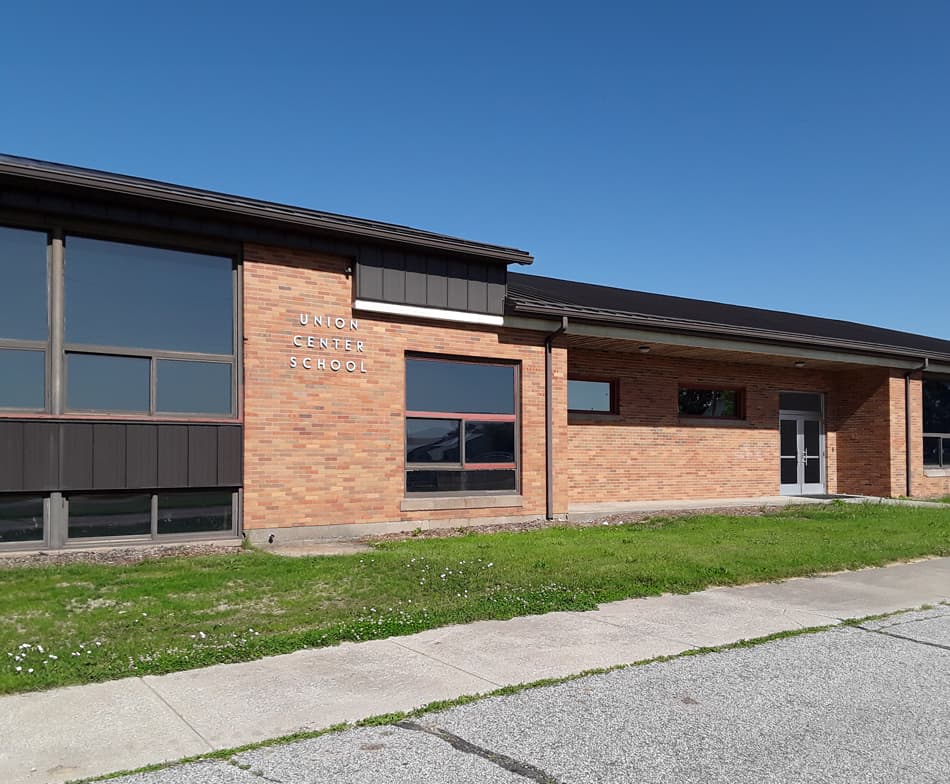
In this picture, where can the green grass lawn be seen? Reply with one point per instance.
(82, 623)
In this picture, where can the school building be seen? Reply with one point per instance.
(178, 364)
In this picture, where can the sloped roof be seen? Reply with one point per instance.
(533, 294)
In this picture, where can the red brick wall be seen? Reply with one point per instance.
(325, 447)
(648, 452)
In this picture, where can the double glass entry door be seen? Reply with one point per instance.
(802, 457)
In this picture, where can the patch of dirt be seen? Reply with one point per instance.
(540, 523)
(117, 555)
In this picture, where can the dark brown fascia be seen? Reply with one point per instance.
(593, 316)
(337, 225)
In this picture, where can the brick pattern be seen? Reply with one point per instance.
(325, 447)
(647, 452)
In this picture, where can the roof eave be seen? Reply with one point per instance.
(712, 329)
(268, 212)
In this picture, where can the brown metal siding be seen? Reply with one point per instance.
(430, 281)
(82, 456)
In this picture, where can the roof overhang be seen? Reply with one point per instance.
(706, 336)
(31, 174)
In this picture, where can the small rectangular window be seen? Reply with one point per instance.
(22, 379)
(109, 515)
(107, 383)
(432, 441)
(194, 511)
(711, 403)
(21, 518)
(591, 397)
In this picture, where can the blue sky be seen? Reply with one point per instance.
(786, 155)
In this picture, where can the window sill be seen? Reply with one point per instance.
(435, 503)
(712, 422)
(936, 472)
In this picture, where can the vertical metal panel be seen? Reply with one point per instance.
(141, 455)
(477, 288)
(40, 450)
(394, 277)
(173, 456)
(457, 273)
(230, 456)
(202, 456)
(496, 276)
(416, 280)
(436, 284)
(108, 457)
(11, 456)
(370, 273)
(77, 456)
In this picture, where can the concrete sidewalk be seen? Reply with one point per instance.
(90, 730)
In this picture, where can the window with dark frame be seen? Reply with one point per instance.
(591, 396)
(936, 422)
(148, 330)
(711, 403)
(461, 426)
(24, 320)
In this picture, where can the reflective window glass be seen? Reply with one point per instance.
(21, 518)
(932, 451)
(459, 481)
(936, 406)
(141, 297)
(194, 512)
(432, 441)
(799, 401)
(23, 284)
(109, 515)
(193, 387)
(489, 442)
(105, 383)
(722, 403)
(459, 387)
(22, 379)
(592, 396)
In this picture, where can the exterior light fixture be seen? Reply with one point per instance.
(799, 364)
(644, 349)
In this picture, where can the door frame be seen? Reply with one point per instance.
(800, 417)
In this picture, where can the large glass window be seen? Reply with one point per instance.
(21, 518)
(712, 403)
(461, 426)
(936, 422)
(131, 514)
(148, 329)
(152, 298)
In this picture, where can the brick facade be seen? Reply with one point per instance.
(324, 447)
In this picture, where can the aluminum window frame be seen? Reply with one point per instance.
(462, 418)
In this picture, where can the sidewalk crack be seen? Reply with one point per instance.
(519, 768)
(173, 710)
(904, 637)
(447, 664)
